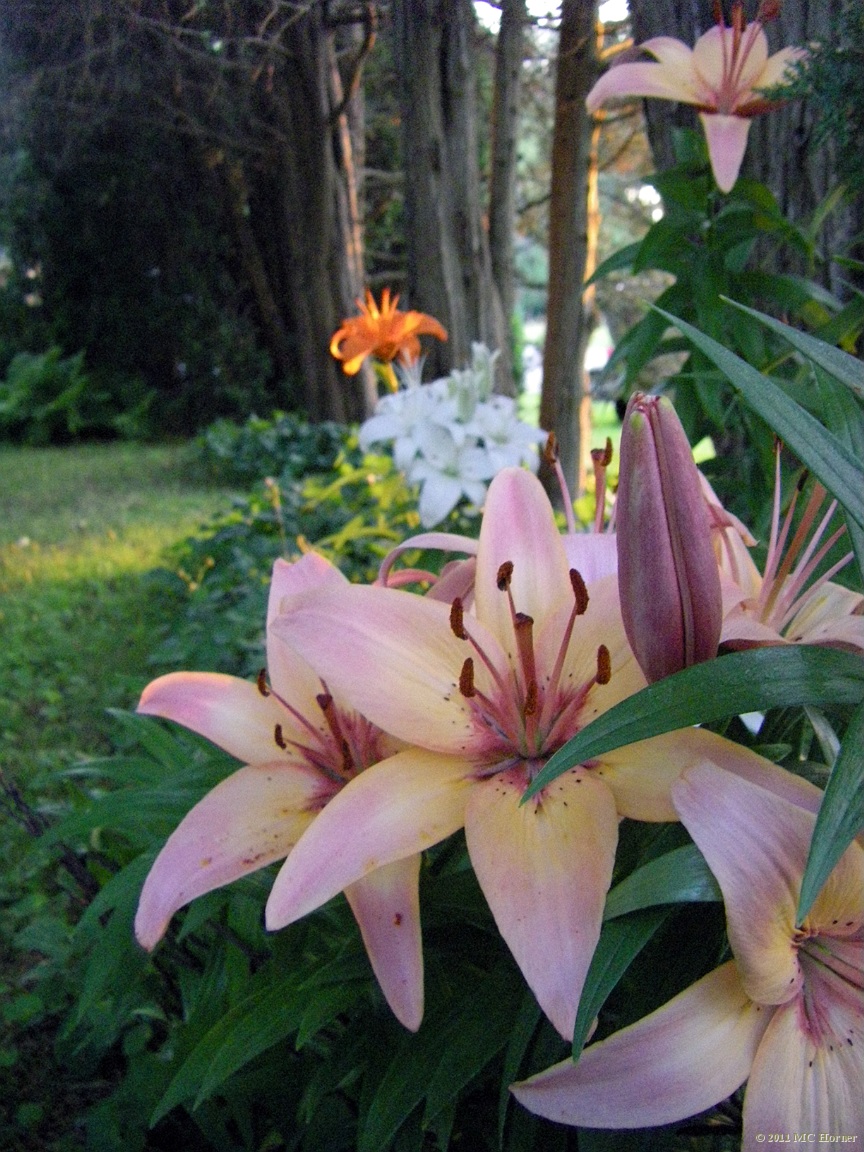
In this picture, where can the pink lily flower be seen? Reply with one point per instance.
(723, 75)
(300, 745)
(485, 699)
(787, 1014)
(785, 604)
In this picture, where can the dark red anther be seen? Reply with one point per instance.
(457, 616)
(580, 592)
(466, 679)
(262, 682)
(604, 665)
(505, 574)
(550, 449)
(602, 457)
(279, 738)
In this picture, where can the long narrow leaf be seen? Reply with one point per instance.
(844, 417)
(826, 457)
(677, 877)
(620, 942)
(843, 367)
(261, 1020)
(841, 816)
(728, 686)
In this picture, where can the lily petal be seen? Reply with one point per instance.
(829, 615)
(800, 1086)
(250, 819)
(386, 906)
(545, 868)
(391, 654)
(777, 68)
(640, 776)
(713, 53)
(393, 810)
(688, 1055)
(519, 527)
(228, 711)
(625, 81)
(292, 677)
(731, 819)
(593, 554)
(727, 143)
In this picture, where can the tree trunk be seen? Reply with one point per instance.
(449, 266)
(509, 55)
(564, 378)
(779, 152)
(320, 241)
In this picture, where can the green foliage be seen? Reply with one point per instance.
(832, 78)
(285, 445)
(740, 682)
(354, 515)
(230, 1038)
(716, 248)
(120, 249)
(45, 398)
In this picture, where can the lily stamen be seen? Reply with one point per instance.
(601, 458)
(550, 455)
(784, 580)
(298, 716)
(457, 619)
(457, 625)
(580, 607)
(466, 679)
(523, 627)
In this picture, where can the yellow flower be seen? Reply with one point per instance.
(384, 333)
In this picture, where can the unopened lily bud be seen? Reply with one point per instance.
(667, 570)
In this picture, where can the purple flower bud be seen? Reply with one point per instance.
(667, 571)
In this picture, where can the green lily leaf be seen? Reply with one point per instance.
(454, 1044)
(844, 417)
(843, 367)
(264, 1018)
(680, 876)
(826, 457)
(841, 816)
(620, 941)
(728, 686)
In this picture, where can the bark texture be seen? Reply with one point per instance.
(509, 56)
(449, 265)
(564, 378)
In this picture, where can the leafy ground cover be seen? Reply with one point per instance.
(80, 528)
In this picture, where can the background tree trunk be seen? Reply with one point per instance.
(779, 151)
(509, 56)
(564, 378)
(320, 239)
(449, 266)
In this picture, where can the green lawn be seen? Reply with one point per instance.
(79, 528)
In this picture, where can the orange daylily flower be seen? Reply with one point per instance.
(385, 333)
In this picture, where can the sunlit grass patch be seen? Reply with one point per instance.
(79, 529)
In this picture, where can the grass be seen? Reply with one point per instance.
(79, 528)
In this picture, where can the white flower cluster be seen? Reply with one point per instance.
(453, 435)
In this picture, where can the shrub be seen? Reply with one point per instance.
(45, 398)
(285, 445)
